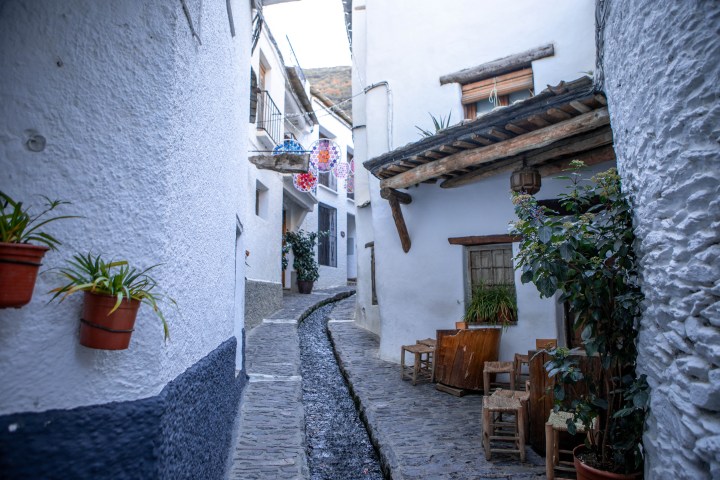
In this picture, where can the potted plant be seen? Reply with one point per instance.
(587, 257)
(19, 258)
(302, 245)
(492, 304)
(113, 294)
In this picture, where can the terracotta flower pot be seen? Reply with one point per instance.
(461, 325)
(586, 472)
(107, 332)
(19, 264)
(305, 286)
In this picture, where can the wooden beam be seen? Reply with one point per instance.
(570, 146)
(448, 149)
(497, 133)
(515, 129)
(514, 146)
(399, 223)
(483, 239)
(538, 120)
(557, 114)
(580, 107)
(499, 66)
(474, 137)
(601, 99)
(402, 197)
(464, 145)
(592, 157)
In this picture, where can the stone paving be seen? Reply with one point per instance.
(270, 441)
(420, 433)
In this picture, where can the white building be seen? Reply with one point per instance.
(137, 113)
(287, 109)
(516, 49)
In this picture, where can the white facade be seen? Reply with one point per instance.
(146, 133)
(424, 290)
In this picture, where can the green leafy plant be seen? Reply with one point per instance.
(587, 256)
(440, 123)
(492, 304)
(86, 273)
(302, 245)
(18, 225)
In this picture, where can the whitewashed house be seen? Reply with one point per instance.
(286, 107)
(437, 205)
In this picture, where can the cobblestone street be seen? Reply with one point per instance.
(420, 433)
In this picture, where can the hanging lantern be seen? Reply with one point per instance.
(288, 146)
(526, 179)
(340, 170)
(305, 182)
(324, 154)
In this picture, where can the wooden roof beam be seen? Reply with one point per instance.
(513, 146)
(395, 198)
(570, 146)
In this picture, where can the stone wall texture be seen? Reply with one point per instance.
(261, 299)
(662, 64)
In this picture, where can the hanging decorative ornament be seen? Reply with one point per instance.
(305, 182)
(341, 170)
(288, 146)
(350, 183)
(324, 154)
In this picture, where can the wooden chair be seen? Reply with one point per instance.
(492, 368)
(499, 430)
(556, 423)
(518, 363)
(423, 364)
(545, 343)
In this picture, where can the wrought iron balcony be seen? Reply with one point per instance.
(269, 117)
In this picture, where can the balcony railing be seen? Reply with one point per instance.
(269, 117)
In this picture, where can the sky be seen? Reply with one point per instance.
(316, 29)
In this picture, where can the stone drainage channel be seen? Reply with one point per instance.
(338, 442)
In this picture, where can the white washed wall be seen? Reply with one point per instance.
(661, 71)
(146, 134)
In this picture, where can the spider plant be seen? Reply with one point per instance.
(440, 123)
(492, 303)
(118, 279)
(17, 225)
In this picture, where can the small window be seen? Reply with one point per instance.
(489, 265)
(327, 242)
(328, 179)
(483, 96)
(261, 200)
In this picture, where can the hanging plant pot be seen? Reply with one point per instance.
(586, 472)
(305, 286)
(103, 330)
(19, 264)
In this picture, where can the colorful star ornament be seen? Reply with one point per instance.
(289, 146)
(305, 182)
(324, 154)
(341, 170)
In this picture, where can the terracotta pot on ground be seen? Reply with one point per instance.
(107, 332)
(461, 325)
(19, 264)
(305, 286)
(586, 472)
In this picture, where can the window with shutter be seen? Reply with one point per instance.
(327, 242)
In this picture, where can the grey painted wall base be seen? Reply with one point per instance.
(261, 299)
(184, 432)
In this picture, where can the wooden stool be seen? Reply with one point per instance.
(423, 365)
(524, 398)
(495, 429)
(497, 367)
(518, 362)
(556, 423)
(430, 342)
